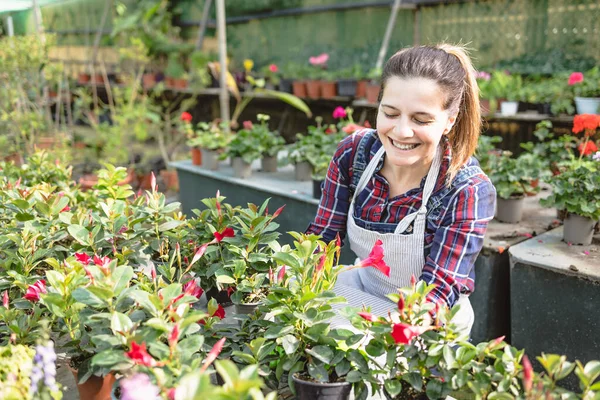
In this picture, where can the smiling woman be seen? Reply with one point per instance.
(413, 185)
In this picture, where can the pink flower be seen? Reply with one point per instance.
(281, 274)
(278, 211)
(575, 77)
(5, 301)
(319, 60)
(248, 125)
(174, 335)
(191, 288)
(527, 374)
(367, 316)
(483, 75)
(212, 355)
(401, 303)
(101, 262)
(404, 333)
(186, 116)
(138, 387)
(139, 355)
(273, 68)
(375, 259)
(34, 291)
(339, 112)
(83, 258)
(67, 208)
(227, 232)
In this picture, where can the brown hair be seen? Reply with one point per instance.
(451, 67)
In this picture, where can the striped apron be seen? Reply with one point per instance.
(403, 252)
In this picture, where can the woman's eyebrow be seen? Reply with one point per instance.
(423, 113)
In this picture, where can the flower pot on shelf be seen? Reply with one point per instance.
(509, 107)
(299, 88)
(170, 82)
(484, 104)
(170, 179)
(285, 85)
(361, 89)
(313, 89)
(241, 168)
(210, 159)
(196, 156)
(328, 90)
(347, 87)
(96, 387)
(587, 105)
(578, 230)
(15, 158)
(148, 80)
(317, 184)
(372, 93)
(145, 181)
(83, 78)
(180, 83)
(97, 79)
(544, 109)
(269, 164)
(303, 171)
(509, 210)
(311, 390)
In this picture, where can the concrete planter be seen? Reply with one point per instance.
(578, 230)
(269, 164)
(509, 210)
(587, 105)
(303, 171)
(210, 159)
(509, 107)
(241, 169)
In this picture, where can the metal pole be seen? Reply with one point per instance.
(37, 16)
(203, 23)
(223, 94)
(388, 34)
(11, 28)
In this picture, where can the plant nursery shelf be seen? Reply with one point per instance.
(554, 293)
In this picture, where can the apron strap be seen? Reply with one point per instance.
(368, 172)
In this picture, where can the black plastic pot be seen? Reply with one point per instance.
(308, 390)
(544, 108)
(285, 85)
(220, 296)
(347, 87)
(317, 188)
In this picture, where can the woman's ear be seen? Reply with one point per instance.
(450, 124)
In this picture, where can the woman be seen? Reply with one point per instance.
(413, 184)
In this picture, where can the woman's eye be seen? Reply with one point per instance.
(388, 115)
(418, 121)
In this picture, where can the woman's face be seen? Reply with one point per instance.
(411, 121)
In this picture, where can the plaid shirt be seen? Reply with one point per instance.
(457, 216)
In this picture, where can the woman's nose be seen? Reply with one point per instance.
(402, 128)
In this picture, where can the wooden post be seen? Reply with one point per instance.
(221, 32)
(203, 23)
(37, 17)
(388, 34)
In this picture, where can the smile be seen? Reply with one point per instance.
(404, 147)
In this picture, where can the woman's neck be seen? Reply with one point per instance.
(404, 178)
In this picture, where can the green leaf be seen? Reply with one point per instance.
(393, 387)
(414, 379)
(277, 331)
(120, 323)
(110, 358)
(449, 357)
(245, 357)
(290, 344)
(84, 296)
(170, 225)
(321, 353)
(287, 259)
(434, 389)
(56, 280)
(122, 276)
(354, 376)
(80, 234)
(342, 367)
(191, 345)
(23, 217)
(318, 372)
(375, 348)
(288, 98)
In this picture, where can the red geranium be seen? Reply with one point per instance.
(375, 259)
(139, 355)
(405, 333)
(587, 123)
(575, 77)
(587, 148)
(186, 116)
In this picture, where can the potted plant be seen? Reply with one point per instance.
(315, 73)
(243, 149)
(298, 73)
(483, 82)
(175, 72)
(373, 86)
(586, 89)
(348, 80)
(507, 88)
(272, 76)
(486, 152)
(328, 84)
(512, 179)
(556, 150)
(270, 142)
(213, 139)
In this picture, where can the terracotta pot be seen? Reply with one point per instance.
(145, 181)
(361, 89)
(45, 143)
(299, 88)
(171, 179)
(88, 181)
(97, 79)
(180, 83)
(372, 93)
(328, 90)
(196, 156)
(485, 106)
(129, 179)
(83, 78)
(313, 89)
(16, 158)
(148, 81)
(96, 387)
(169, 82)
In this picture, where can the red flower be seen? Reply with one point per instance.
(191, 288)
(212, 355)
(367, 316)
(273, 68)
(248, 125)
(321, 263)
(186, 116)
(589, 148)
(34, 291)
(367, 124)
(5, 301)
(281, 274)
(278, 211)
(139, 355)
(67, 208)
(575, 77)
(101, 262)
(404, 333)
(83, 258)
(171, 393)
(527, 374)
(330, 130)
(174, 335)
(219, 312)
(339, 112)
(153, 272)
(587, 123)
(401, 303)
(351, 128)
(227, 232)
(375, 259)
(218, 205)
